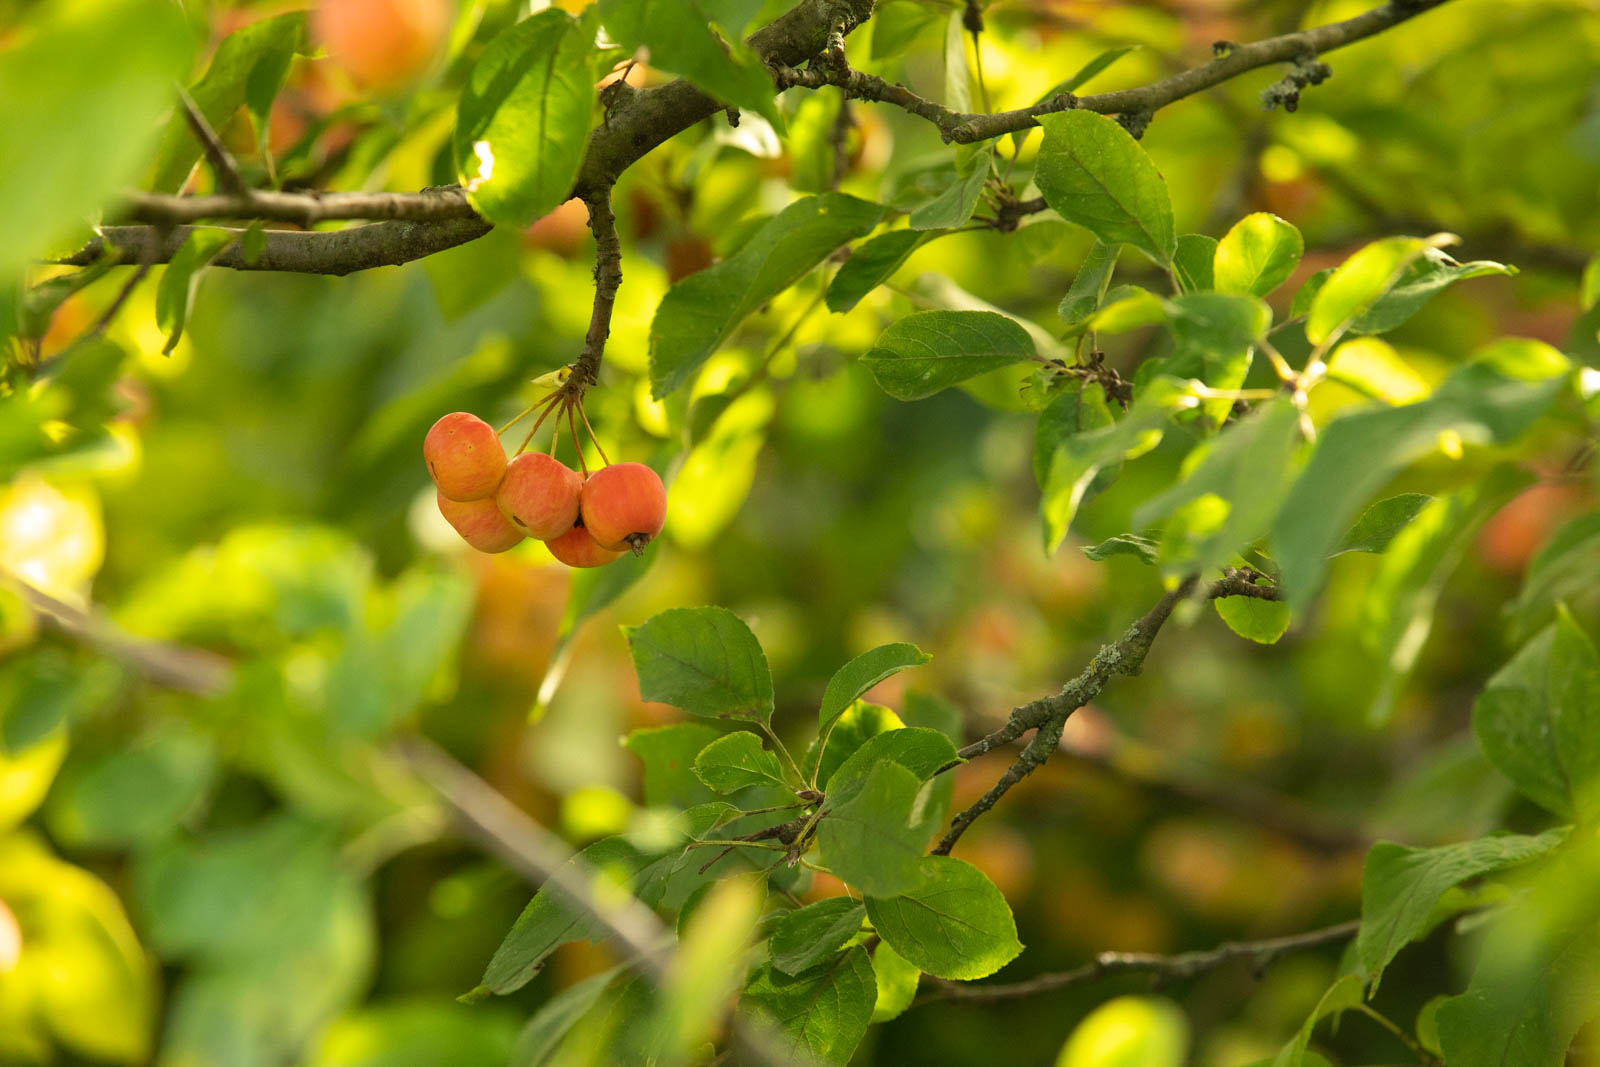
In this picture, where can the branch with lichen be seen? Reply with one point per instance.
(1047, 716)
(1135, 106)
(1258, 954)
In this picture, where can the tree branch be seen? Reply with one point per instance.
(416, 225)
(1260, 955)
(545, 860)
(607, 279)
(965, 128)
(338, 252)
(1048, 715)
(190, 670)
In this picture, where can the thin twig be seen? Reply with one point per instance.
(222, 163)
(1048, 716)
(190, 670)
(545, 860)
(1260, 954)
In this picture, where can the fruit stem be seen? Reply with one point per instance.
(537, 423)
(592, 435)
(529, 410)
(572, 424)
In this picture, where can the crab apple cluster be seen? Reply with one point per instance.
(586, 520)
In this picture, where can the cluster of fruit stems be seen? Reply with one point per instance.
(565, 401)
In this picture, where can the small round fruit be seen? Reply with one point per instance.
(464, 456)
(479, 523)
(539, 494)
(624, 505)
(382, 44)
(576, 548)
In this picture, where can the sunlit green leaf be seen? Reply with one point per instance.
(1257, 255)
(1094, 173)
(697, 40)
(523, 120)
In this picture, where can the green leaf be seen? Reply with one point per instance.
(703, 660)
(1398, 607)
(1429, 274)
(669, 753)
(700, 312)
(249, 63)
(897, 983)
(954, 205)
(807, 936)
(896, 26)
(1125, 308)
(737, 761)
(1589, 283)
(1079, 459)
(1124, 545)
(175, 294)
(1094, 173)
(874, 830)
(662, 878)
(1537, 981)
(1378, 524)
(1538, 720)
(871, 264)
(1401, 887)
(1374, 368)
(1257, 255)
(1357, 453)
(523, 119)
(1255, 619)
(1094, 67)
(96, 78)
(134, 794)
(1129, 1031)
(1357, 283)
(957, 82)
(956, 924)
(860, 723)
(1214, 337)
(1192, 262)
(919, 749)
(820, 1015)
(1078, 408)
(1088, 289)
(557, 1016)
(1341, 996)
(1230, 493)
(694, 38)
(1563, 569)
(1306, 295)
(851, 681)
(927, 351)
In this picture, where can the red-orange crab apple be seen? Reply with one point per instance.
(576, 548)
(464, 456)
(624, 505)
(479, 523)
(382, 44)
(539, 494)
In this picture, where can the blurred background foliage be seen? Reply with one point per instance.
(249, 878)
